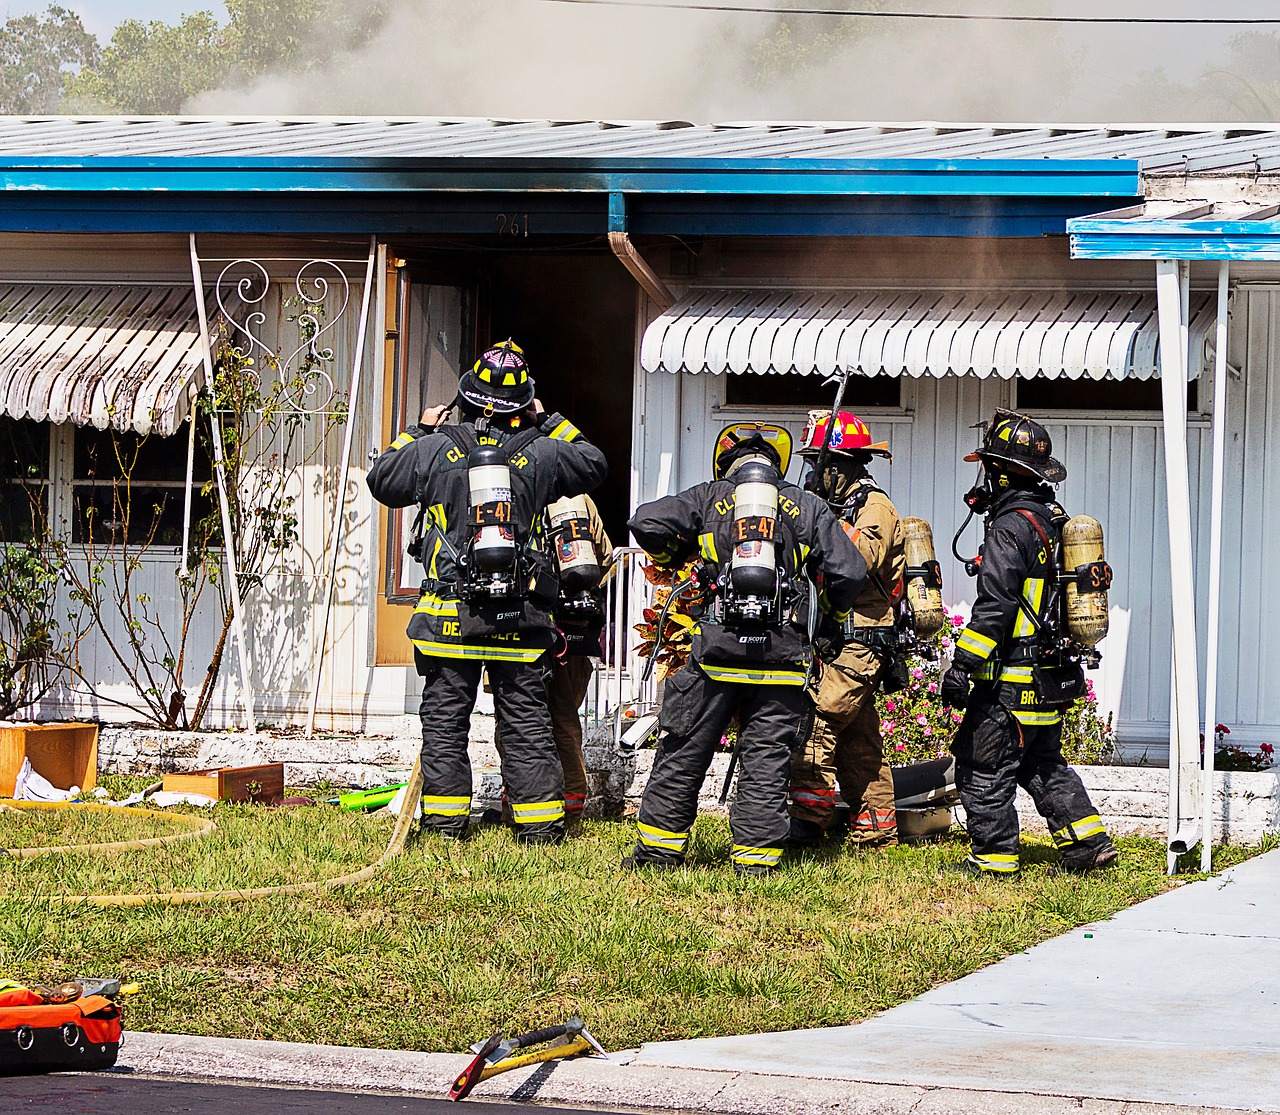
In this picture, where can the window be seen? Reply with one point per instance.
(1098, 395)
(436, 339)
(794, 390)
(148, 508)
(24, 478)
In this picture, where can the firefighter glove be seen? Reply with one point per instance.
(955, 688)
(828, 640)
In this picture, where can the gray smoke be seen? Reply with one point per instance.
(523, 59)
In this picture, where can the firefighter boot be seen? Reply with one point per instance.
(804, 834)
(1084, 858)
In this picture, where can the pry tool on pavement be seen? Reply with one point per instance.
(498, 1053)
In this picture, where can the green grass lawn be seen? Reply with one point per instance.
(454, 940)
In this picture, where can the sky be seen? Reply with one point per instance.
(101, 16)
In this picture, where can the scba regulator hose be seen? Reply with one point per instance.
(198, 827)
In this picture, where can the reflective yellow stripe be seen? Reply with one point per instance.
(825, 604)
(767, 856)
(431, 605)
(761, 675)
(976, 643)
(987, 671)
(707, 547)
(1079, 830)
(537, 812)
(1019, 675)
(439, 806)
(402, 441)
(652, 837)
(1000, 863)
(1033, 591)
(432, 571)
(1038, 719)
(566, 431)
(464, 650)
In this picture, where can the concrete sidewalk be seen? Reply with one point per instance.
(1173, 1002)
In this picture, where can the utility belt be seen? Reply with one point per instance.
(880, 640)
(1052, 673)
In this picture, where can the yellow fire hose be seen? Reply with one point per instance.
(201, 827)
(195, 827)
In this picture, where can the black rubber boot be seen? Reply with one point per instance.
(752, 869)
(804, 834)
(1085, 858)
(631, 863)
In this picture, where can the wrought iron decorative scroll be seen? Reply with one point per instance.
(241, 289)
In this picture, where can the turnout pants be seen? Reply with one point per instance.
(566, 683)
(995, 754)
(846, 746)
(530, 766)
(695, 713)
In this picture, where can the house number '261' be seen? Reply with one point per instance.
(513, 224)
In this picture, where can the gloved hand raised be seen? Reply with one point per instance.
(955, 688)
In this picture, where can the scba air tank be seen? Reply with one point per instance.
(489, 477)
(753, 568)
(1086, 598)
(924, 579)
(575, 550)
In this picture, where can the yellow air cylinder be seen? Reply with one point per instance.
(924, 582)
(1087, 616)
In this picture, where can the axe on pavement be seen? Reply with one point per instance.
(502, 1054)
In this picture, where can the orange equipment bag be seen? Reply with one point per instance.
(56, 1037)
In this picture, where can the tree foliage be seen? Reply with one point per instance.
(38, 56)
(154, 68)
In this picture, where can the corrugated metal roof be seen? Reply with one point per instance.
(1160, 150)
(1095, 334)
(118, 356)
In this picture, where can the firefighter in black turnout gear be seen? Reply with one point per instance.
(1012, 653)
(757, 537)
(482, 487)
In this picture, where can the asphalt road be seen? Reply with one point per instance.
(110, 1094)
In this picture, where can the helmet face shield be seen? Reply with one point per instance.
(741, 438)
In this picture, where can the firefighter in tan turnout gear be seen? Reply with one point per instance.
(1017, 654)
(846, 745)
(758, 538)
(482, 487)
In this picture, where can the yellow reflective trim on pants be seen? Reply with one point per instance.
(566, 431)
(537, 812)
(441, 806)
(1080, 830)
(402, 441)
(761, 675)
(1038, 719)
(975, 642)
(1033, 591)
(767, 856)
(493, 654)
(707, 547)
(652, 837)
(1000, 863)
(430, 605)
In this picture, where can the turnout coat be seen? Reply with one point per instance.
(428, 467)
(811, 542)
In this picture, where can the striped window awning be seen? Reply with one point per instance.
(99, 355)
(1076, 334)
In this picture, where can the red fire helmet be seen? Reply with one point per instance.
(850, 435)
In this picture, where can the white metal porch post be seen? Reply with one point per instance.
(1184, 728)
(1215, 562)
(220, 474)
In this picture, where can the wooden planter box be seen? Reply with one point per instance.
(261, 783)
(65, 754)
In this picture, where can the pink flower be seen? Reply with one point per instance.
(956, 717)
(1266, 749)
(933, 687)
(917, 673)
(1222, 729)
(887, 728)
(899, 746)
(922, 720)
(957, 621)
(928, 731)
(946, 643)
(891, 706)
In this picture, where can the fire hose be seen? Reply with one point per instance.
(198, 827)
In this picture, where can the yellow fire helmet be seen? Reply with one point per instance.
(772, 441)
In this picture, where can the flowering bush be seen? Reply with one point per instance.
(677, 639)
(1231, 756)
(916, 726)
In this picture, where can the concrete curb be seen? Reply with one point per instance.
(614, 1083)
